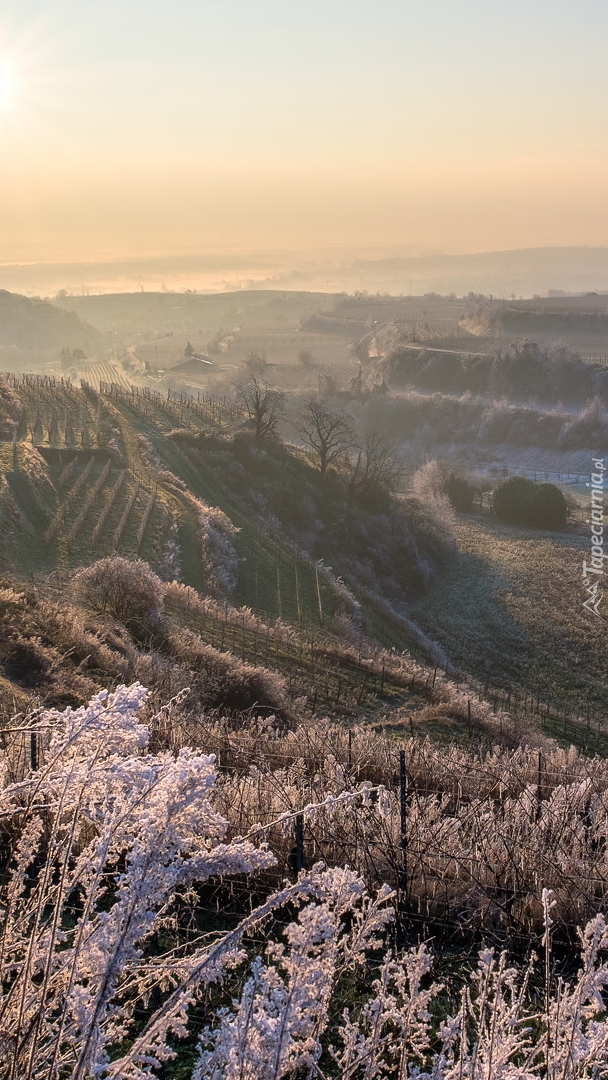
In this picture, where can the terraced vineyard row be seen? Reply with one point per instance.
(111, 497)
(271, 578)
(57, 413)
(330, 678)
(106, 373)
(175, 409)
(88, 504)
(105, 509)
(69, 499)
(431, 329)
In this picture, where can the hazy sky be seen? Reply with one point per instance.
(197, 124)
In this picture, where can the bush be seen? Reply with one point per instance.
(460, 493)
(127, 589)
(525, 502)
(27, 662)
(438, 478)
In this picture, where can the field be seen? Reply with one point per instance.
(511, 611)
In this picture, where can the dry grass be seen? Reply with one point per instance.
(510, 610)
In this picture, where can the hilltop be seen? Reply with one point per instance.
(34, 324)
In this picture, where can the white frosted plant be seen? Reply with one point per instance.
(277, 1026)
(220, 560)
(105, 836)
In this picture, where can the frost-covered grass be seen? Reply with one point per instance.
(105, 851)
(510, 610)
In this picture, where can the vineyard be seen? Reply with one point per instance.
(95, 473)
(100, 496)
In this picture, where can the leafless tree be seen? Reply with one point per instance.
(376, 464)
(326, 431)
(263, 405)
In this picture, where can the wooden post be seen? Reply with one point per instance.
(279, 605)
(319, 596)
(298, 609)
(402, 893)
(539, 788)
(299, 844)
(33, 750)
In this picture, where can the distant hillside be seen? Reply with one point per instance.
(38, 324)
(521, 272)
(578, 322)
(152, 314)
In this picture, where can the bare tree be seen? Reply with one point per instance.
(376, 464)
(263, 405)
(326, 431)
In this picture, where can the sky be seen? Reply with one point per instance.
(151, 127)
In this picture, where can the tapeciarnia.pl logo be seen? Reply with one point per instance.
(593, 571)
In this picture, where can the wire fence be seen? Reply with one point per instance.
(468, 841)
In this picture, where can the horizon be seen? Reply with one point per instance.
(513, 272)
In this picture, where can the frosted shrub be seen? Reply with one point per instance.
(282, 1024)
(284, 1009)
(104, 837)
(127, 589)
(220, 560)
(170, 566)
(216, 538)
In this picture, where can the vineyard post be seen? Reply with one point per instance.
(402, 892)
(298, 850)
(33, 751)
(298, 609)
(319, 596)
(362, 690)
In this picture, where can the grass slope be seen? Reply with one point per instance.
(508, 612)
